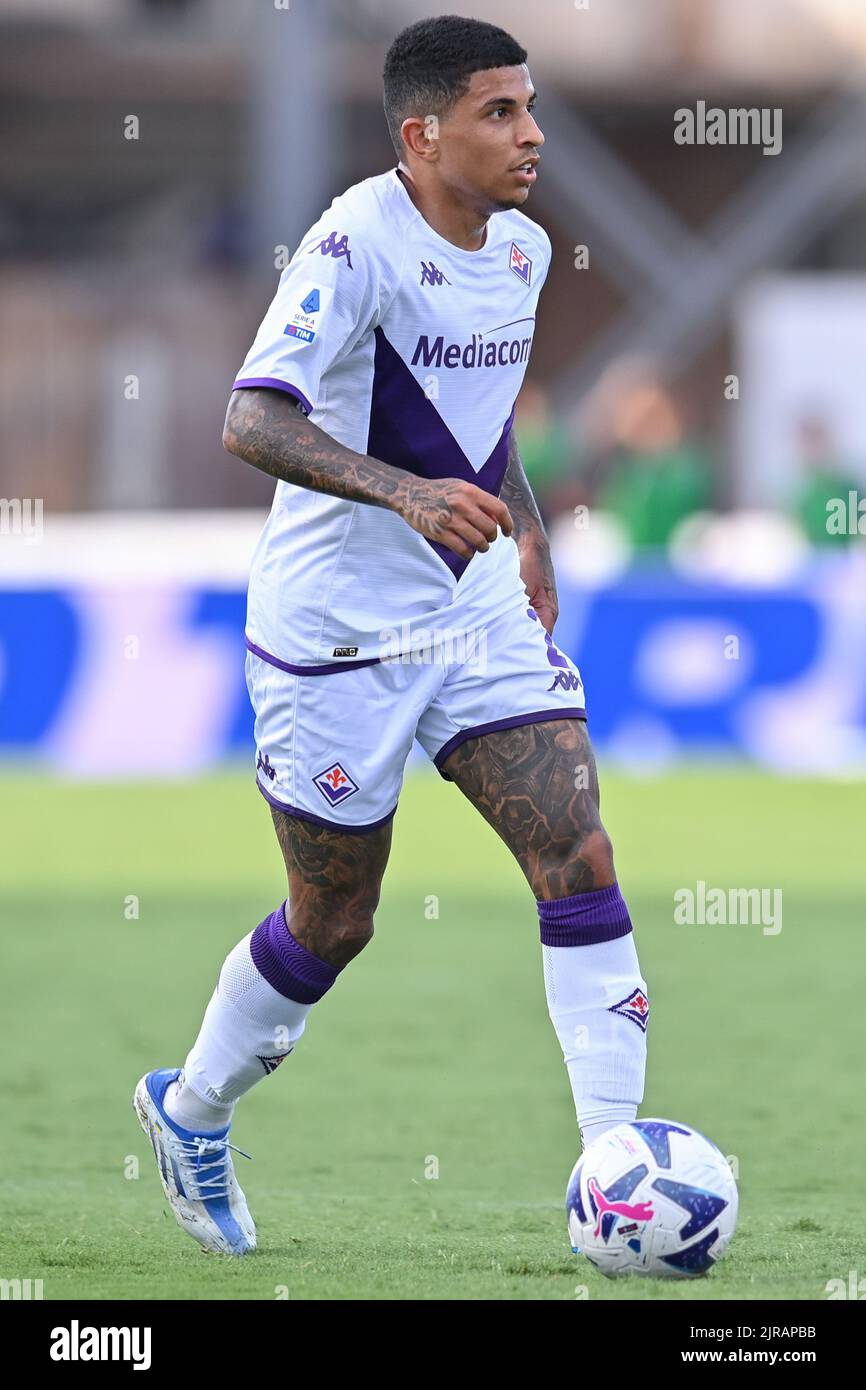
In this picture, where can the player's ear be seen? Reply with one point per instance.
(421, 136)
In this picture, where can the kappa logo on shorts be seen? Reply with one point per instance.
(565, 678)
(266, 766)
(335, 784)
(635, 1006)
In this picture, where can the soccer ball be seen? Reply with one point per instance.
(651, 1197)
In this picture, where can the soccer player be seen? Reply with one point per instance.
(402, 587)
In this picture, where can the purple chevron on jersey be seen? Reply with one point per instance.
(407, 431)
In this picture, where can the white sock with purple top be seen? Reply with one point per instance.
(598, 1004)
(258, 1011)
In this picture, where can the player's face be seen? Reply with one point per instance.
(488, 135)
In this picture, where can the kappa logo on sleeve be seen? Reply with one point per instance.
(332, 247)
(312, 303)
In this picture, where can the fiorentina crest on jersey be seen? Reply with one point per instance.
(635, 1006)
(520, 263)
(335, 784)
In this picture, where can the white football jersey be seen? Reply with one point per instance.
(403, 346)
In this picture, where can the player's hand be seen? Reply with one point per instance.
(536, 571)
(459, 515)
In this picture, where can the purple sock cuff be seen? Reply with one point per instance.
(289, 967)
(584, 919)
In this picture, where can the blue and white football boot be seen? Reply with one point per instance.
(197, 1172)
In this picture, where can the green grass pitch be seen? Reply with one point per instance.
(434, 1051)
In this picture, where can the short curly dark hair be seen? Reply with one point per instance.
(428, 66)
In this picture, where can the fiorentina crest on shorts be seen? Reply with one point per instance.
(520, 263)
(635, 1006)
(335, 784)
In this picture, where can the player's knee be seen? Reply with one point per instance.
(347, 936)
(352, 934)
(332, 932)
(597, 853)
(579, 865)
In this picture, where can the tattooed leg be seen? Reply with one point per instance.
(334, 885)
(537, 786)
(274, 976)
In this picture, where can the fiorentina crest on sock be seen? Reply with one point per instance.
(271, 1063)
(635, 1006)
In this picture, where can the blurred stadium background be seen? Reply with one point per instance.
(697, 391)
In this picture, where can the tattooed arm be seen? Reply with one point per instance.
(536, 567)
(269, 430)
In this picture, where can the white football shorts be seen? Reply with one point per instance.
(332, 741)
